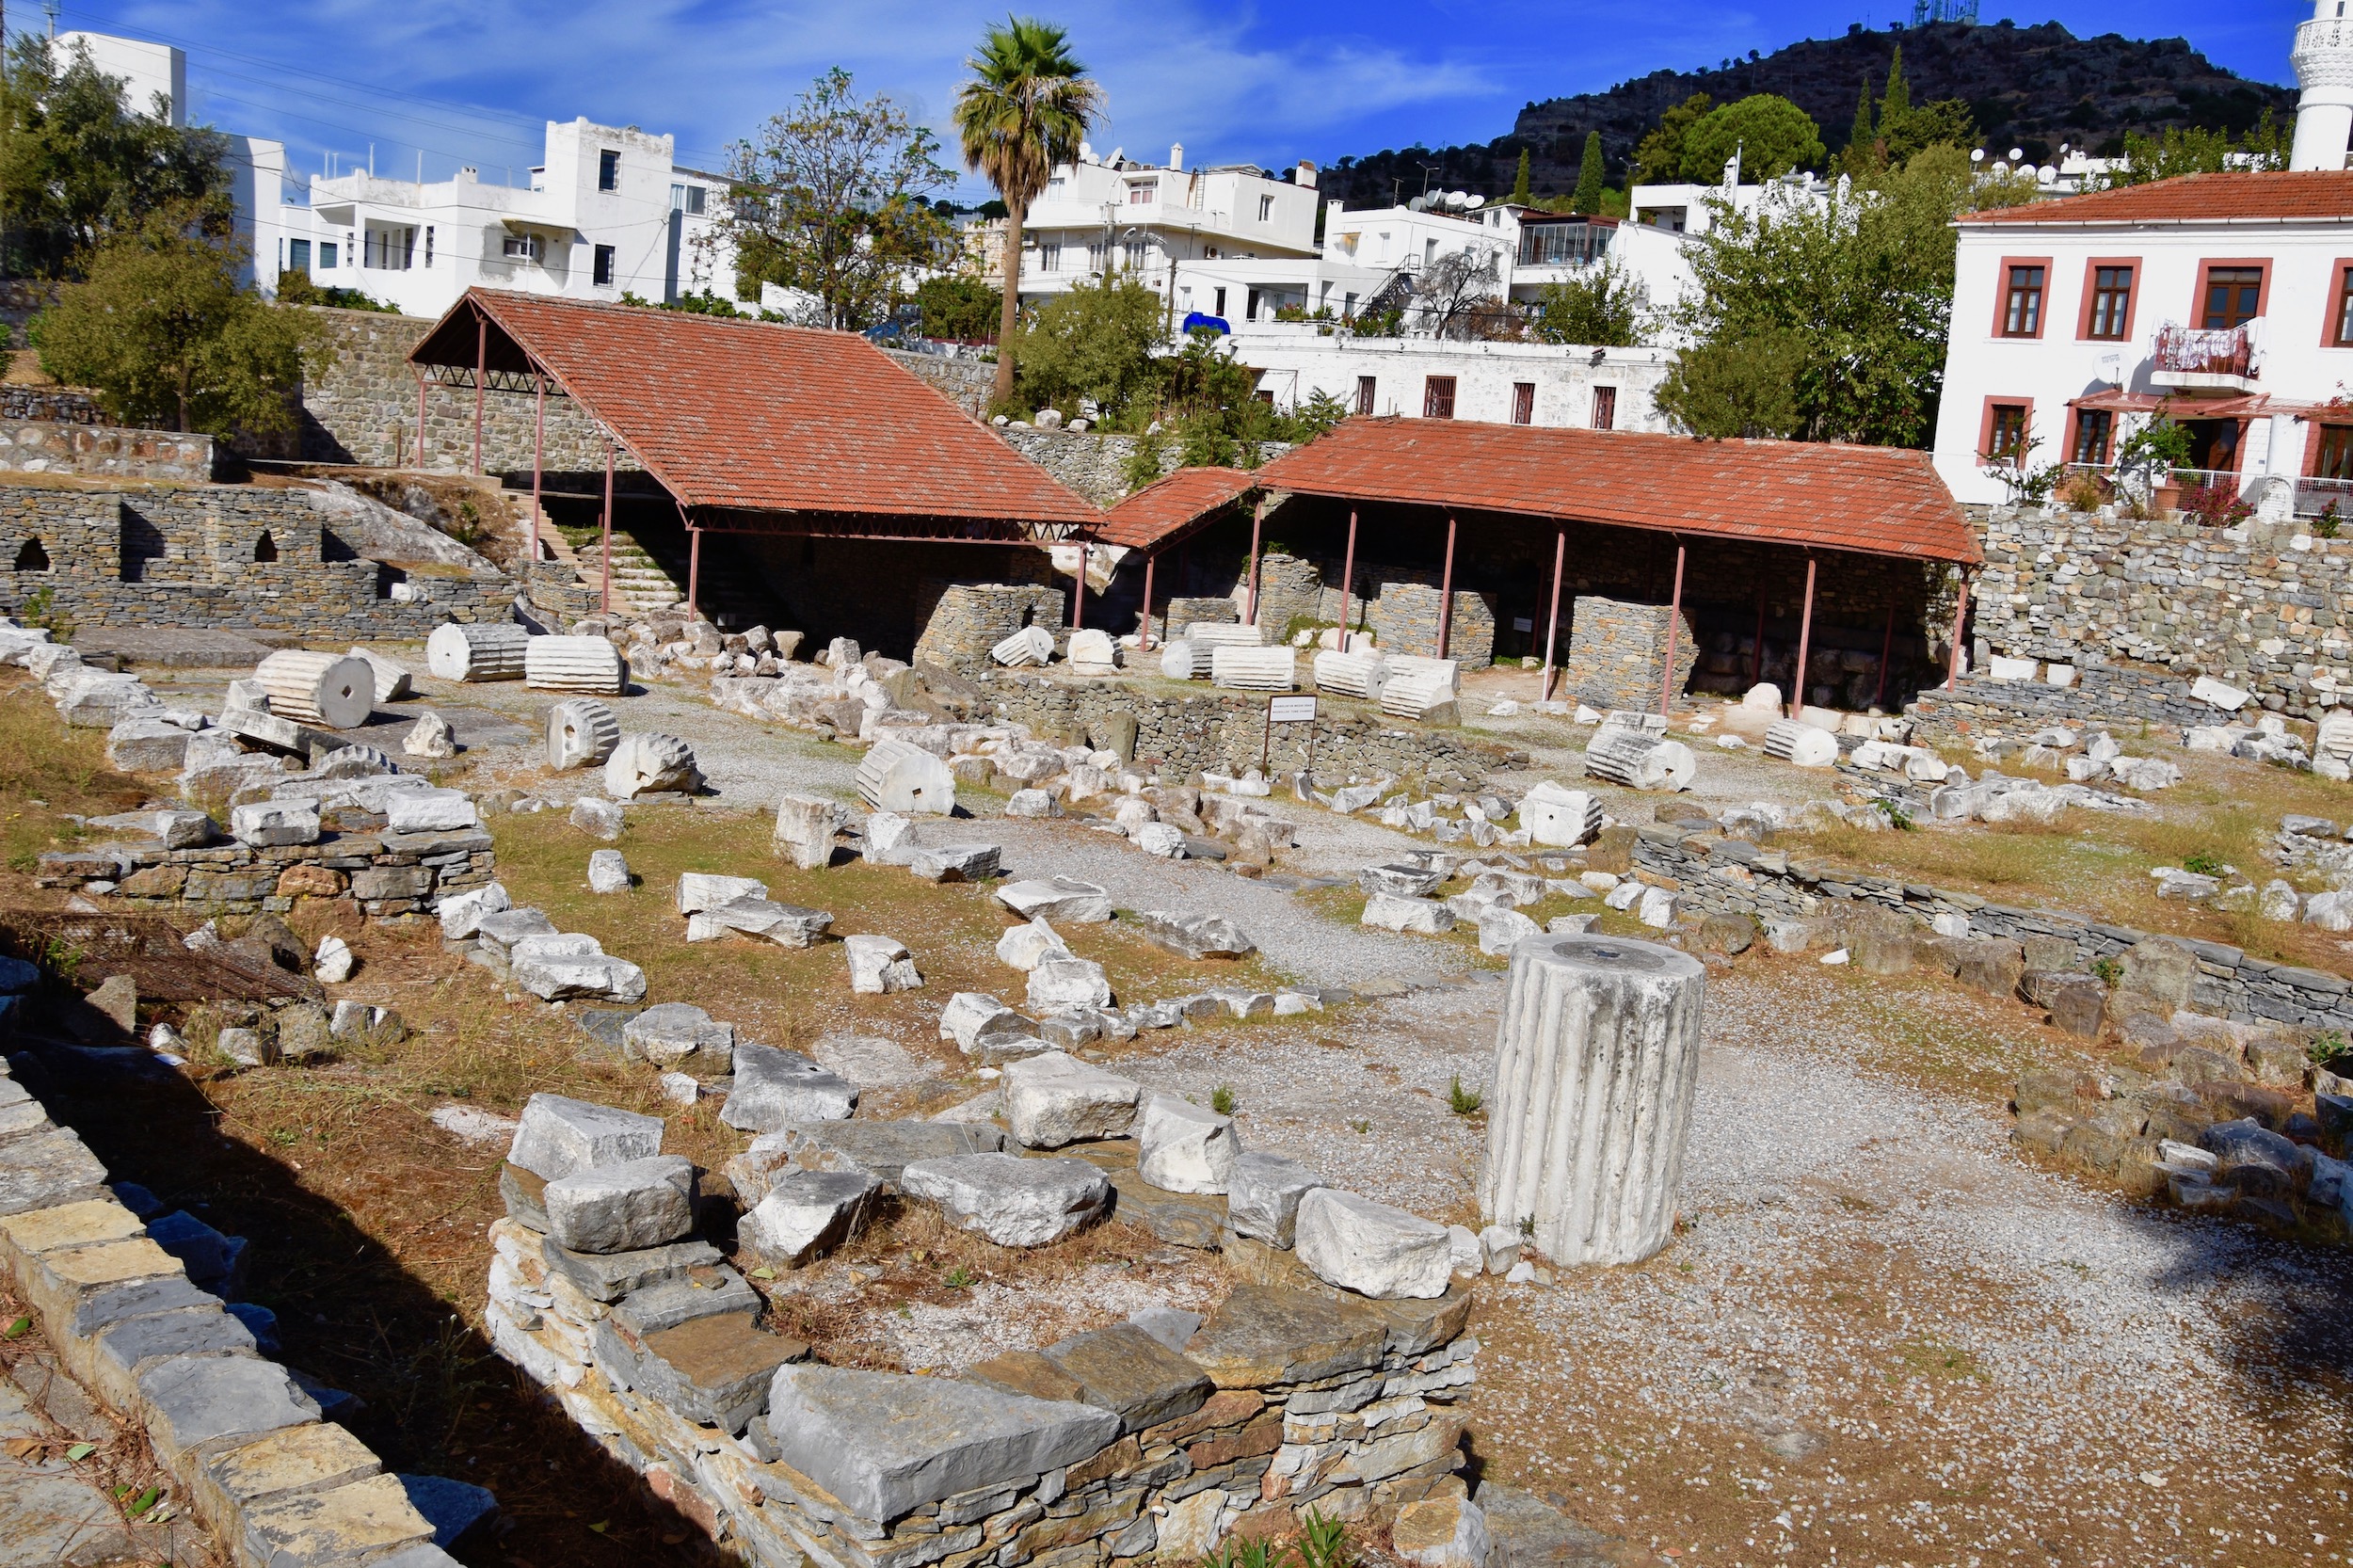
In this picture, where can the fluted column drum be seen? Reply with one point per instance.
(1591, 1102)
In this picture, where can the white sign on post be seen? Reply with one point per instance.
(1291, 709)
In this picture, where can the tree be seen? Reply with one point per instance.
(1863, 281)
(1860, 137)
(2200, 151)
(77, 162)
(1589, 176)
(1025, 109)
(1903, 129)
(832, 201)
(161, 331)
(1730, 387)
(1771, 136)
(1458, 290)
(1898, 102)
(956, 306)
(1659, 158)
(1519, 181)
(1607, 307)
(1093, 342)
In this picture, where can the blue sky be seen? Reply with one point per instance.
(472, 81)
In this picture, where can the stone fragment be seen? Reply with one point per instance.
(774, 1087)
(906, 781)
(649, 765)
(623, 1208)
(1024, 947)
(788, 925)
(559, 1136)
(1442, 1532)
(554, 976)
(1062, 898)
(147, 746)
(1389, 912)
(1012, 1201)
(581, 733)
(880, 966)
(1191, 935)
(1159, 839)
(1559, 817)
(1054, 1099)
(1371, 1248)
(1501, 930)
(608, 872)
(430, 811)
(332, 964)
(1060, 981)
(1597, 1057)
(1184, 1148)
(273, 823)
(430, 738)
(196, 1406)
(881, 1148)
(885, 1444)
(1261, 1335)
(955, 862)
(1405, 882)
(805, 828)
(673, 1033)
(701, 890)
(1262, 1196)
(597, 818)
(805, 1215)
(1127, 1371)
(455, 1508)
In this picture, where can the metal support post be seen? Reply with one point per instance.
(1960, 615)
(1257, 521)
(1348, 576)
(604, 594)
(1144, 632)
(538, 458)
(1446, 590)
(1805, 637)
(1552, 620)
(1674, 617)
(481, 373)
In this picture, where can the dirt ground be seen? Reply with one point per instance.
(1884, 1336)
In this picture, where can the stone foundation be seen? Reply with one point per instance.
(969, 619)
(379, 875)
(48, 446)
(1617, 654)
(2121, 697)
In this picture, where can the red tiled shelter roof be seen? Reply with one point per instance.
(1871, 500)
(755, 417)
(1171, 506)
(2232, 196)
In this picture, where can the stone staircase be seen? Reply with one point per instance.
(649, 573)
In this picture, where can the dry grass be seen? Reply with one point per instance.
(47, 770)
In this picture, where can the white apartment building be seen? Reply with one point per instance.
(155, 76)
(609, 212)
(1156, 222)
(2224, 302)
(1495, 383)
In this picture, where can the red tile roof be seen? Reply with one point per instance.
(1877, 499)
(765, 418)
(2239, 196)
(1169, 506)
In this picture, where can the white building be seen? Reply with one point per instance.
(609, 212)
(1495, 383)
(155, 79)
(2223, 300)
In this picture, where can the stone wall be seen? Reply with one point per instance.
(1617, 654)
(2264, 606)
(968, 382)
(2123, 698)
(362, 409)
(51, 446)
(1178, 737)
(1713, 873)
(241, 1443)
(47, 405)
(969, 619)
(225, 555)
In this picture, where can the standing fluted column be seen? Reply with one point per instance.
(1591, 1102)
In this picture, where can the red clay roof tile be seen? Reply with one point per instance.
(1169, 506)
(2240, 195)
(1877, 499)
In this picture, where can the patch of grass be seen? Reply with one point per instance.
(1461, 1101)
(1222, 1099)
(1931, 1357)
(47, 770)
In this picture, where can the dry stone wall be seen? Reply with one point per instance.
(218, 555)
(51, 446)
(47, 406)
(2264, 606)
(1617, 654)
(971, 618)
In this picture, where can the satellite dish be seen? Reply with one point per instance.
(1977, 157)
(1475, 202)
(2047, 174)
(1458, 199)
(1418, 205)
(2015, 153)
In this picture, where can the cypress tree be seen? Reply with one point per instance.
(1860, 139)
(1590, 175)
(1519, 181)
(1897, 106)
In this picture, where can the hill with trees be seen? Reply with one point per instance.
(2033, 87)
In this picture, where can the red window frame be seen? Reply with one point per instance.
(1523, 402)
(1985, 429)
(2075, 435)
(2091, 284)
(1437, 398)
(1604, 408)
(2317, 442)
(2002, 292)
(2206, 270)
(1367, 390)
(2332, 333)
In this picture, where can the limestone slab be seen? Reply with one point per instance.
(558, 1136)
(1374, 1249)
(774, 1087)
(1014, 1202)
(625, 1206)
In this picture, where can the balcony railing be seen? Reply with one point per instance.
(1576, 244)
(2316, 496)
(2193, 351)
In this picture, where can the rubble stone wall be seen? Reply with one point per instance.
(48, 406)
(968, 382)
(52, 447)
(1181, 736)
(2264, 606)
(217, 555)
(2123, 698)
(969, 619)
(376, 874)
(1738, 877)
(1617, 654)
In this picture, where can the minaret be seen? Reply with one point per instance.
(2323, 57)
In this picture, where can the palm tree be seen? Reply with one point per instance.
(1025, 109)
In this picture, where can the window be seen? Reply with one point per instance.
(2111, 315)
(2005, 432)
(299, 256)
(2341, 318)
(1266, 208)
(1523, 402)
(605, 267)
(2233, 298)
(31, 558)
(2095, 428)
(327, 255)
(608, 171)
(1217, 307)
(1604, 408)
(1437, 398)
(2022, 301)
(389, 249)
(428, 245)
(1365, 385)
(1050, 256)
(265, 548)
(1428, 252)
(1134, 253)
(1094, 255)
(1348, 307)
(1143, 193)
(2336, 453)
(694, 200)
(523, 247)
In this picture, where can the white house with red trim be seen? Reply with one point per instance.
(2224, 301)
